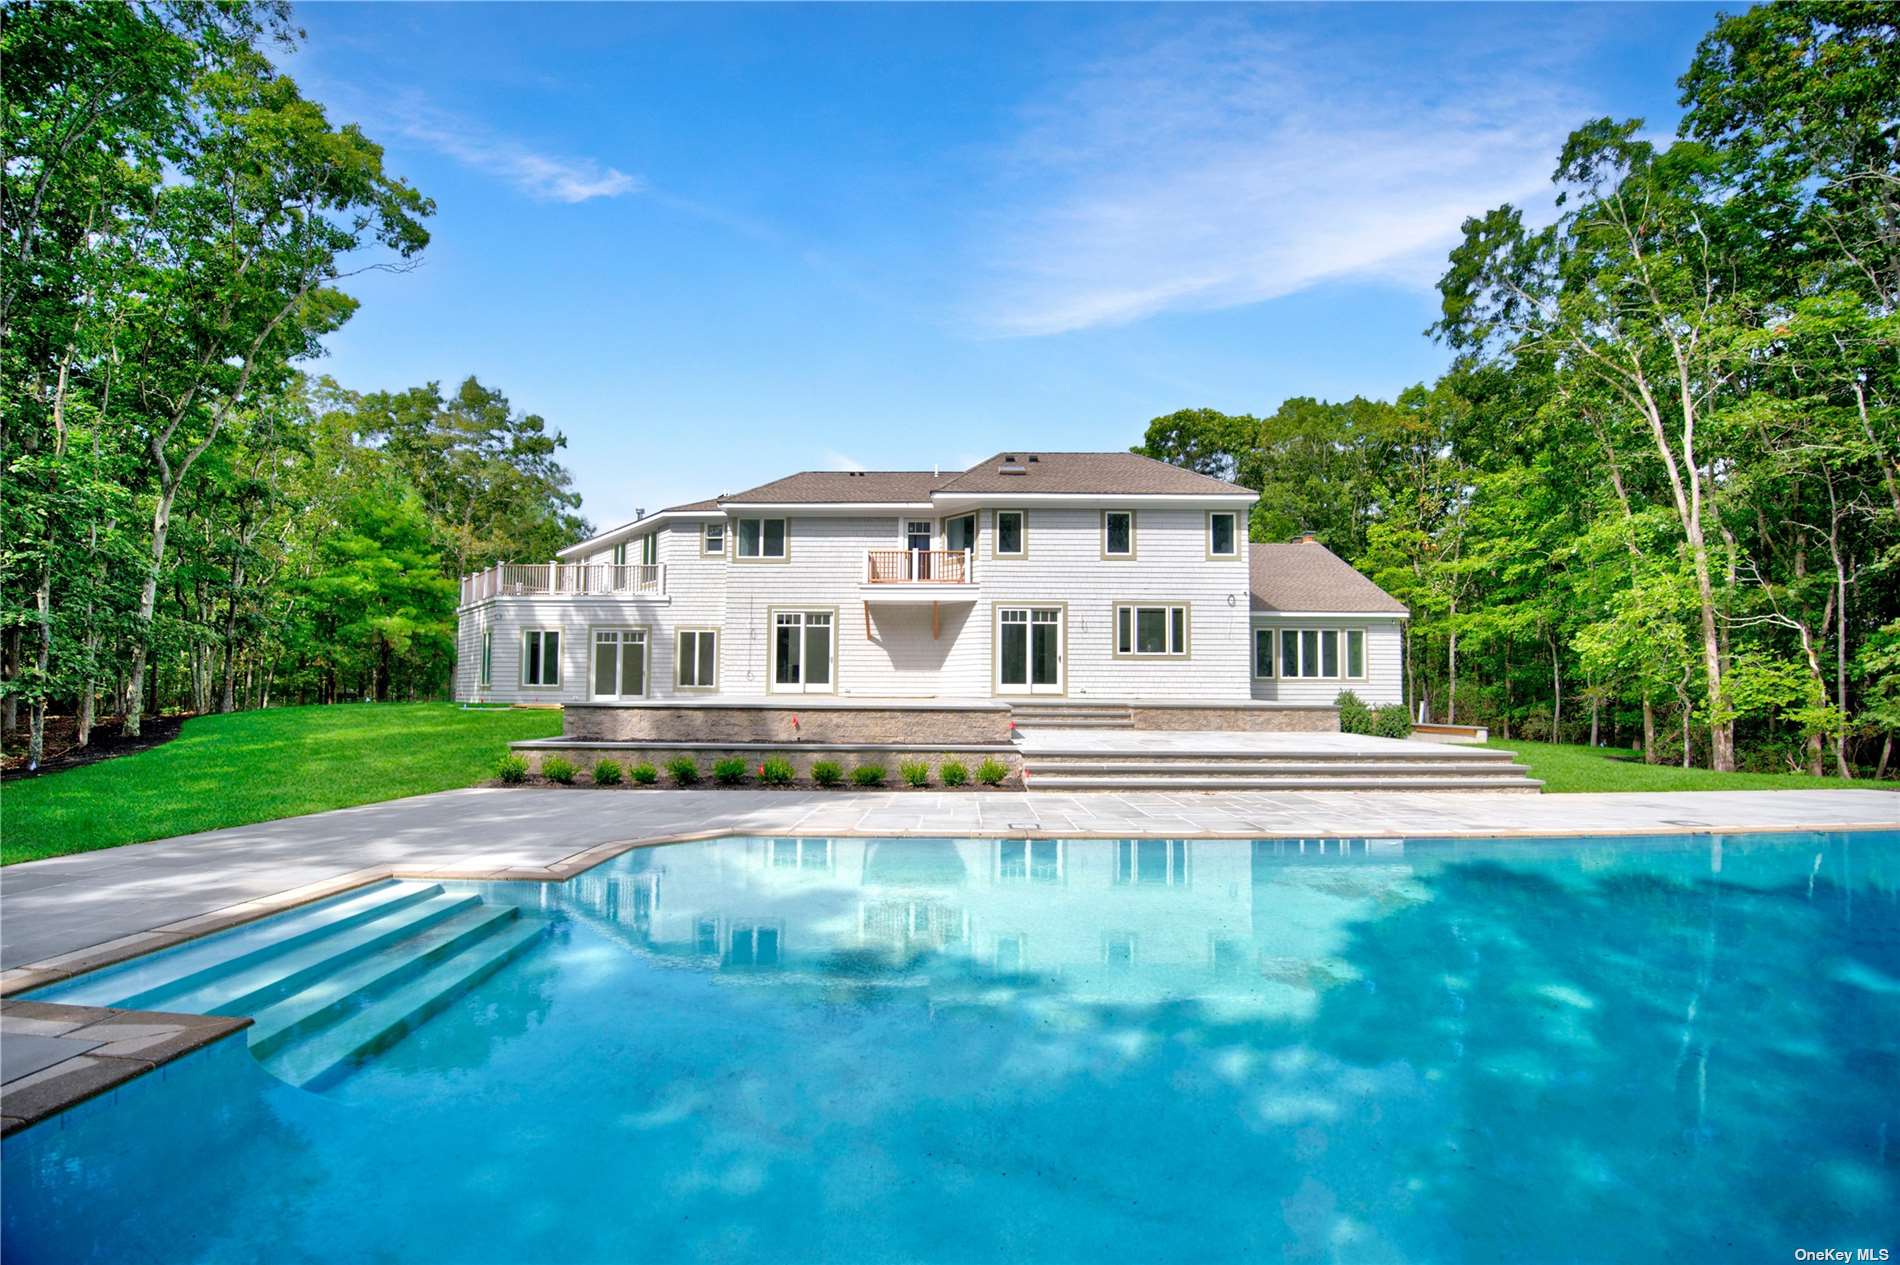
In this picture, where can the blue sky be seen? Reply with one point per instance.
(717, 244)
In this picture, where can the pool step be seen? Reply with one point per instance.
(143, 983)
(395, 1006)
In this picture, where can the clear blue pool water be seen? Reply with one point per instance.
(882, 1050)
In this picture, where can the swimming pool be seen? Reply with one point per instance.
(980, 1049)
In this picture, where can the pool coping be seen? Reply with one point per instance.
(146, 1040)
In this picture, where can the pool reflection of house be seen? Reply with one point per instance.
(1116, 919)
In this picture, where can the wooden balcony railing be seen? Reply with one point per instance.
(917, 566)
(534, 579)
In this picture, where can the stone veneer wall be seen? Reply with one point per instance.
(1258, 720)
(801, 754)
(772, 722)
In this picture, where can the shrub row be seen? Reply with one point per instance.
(1391, 721)
(732, 771)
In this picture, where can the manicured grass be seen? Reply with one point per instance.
(1562, 767)
(259, 766)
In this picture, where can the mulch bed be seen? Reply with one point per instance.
(62, 733)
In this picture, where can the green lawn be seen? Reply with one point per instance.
(259, 766)
(1563, 767)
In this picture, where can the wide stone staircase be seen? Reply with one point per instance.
(1072, 715)
(329, 984)
(1399, 766)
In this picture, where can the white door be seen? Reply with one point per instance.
(803, 652)
(620, 663)
(1029, 650)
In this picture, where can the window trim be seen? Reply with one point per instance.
(976, 523)
(1183, 648)
(1342, 651)
(1273, 652)
(718, 525)
(560, 649)
(485, 659)
(679, 657)
(771, 646)
(1237, 550)
(618, 557)
(593, 660)
(996, 535)
(1132, 547)
(785, 539)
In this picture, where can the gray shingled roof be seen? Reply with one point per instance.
(1087, 474)
(1307, 576)
(813, 487)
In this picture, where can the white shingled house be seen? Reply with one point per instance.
(1037, 580)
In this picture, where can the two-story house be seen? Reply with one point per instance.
(1037, 578)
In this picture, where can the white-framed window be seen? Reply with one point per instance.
(620, 554)
(1029, 860)
(960, 532)
(760, 538)
(804, 652)
(541, 658)
(712, 540)
(1012, 534)
(1223, 534)
(1159, 631)
(1327, 654)
(696, 659)
(1263, 652)
(620, 663)
(1118, 533)
(1151, 862)
(650, 549)
(486, 676)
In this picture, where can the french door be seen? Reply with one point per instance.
(620, 663)
(1029, 650)
(804, 645)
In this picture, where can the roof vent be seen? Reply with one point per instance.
(1034, 459)
(1011, 469)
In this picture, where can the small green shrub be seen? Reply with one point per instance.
(868, 775)
(512, 769)
(777, 771)
(992, 772)
(558, 769)
(607, 773)
(827, 773)
(730, 771)
(1392, 721)
(914, 773)
(1354, 716)
(952, 773)
(684, 770)
(644, 774)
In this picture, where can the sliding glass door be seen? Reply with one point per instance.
(804, 645)
(1029, 650)
(620, 663)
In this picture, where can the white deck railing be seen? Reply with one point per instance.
(533, 579)
(917, 566)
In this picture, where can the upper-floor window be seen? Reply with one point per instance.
(1316, 653)
(650, 549)
(712, 541)
(960, 533)
(1151, 631)
(541, 657)
(1010, 534)
(1118, 533)
(1223, 534)
(761, 538)
(620, 554)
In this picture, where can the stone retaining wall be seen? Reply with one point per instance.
(802, 755)
(772, 723)
(1257, 720)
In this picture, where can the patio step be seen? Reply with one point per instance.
(1072, 715)
(1399, 758)
(1279, 768)
(1272, 782)
(311, 1052)
(138, 984)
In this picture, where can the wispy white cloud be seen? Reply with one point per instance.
(1219, 160)
(547, 176)
(843, 461)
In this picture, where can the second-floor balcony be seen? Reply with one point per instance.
(564, 579)
(917, 566)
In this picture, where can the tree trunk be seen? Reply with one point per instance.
(1886, 749)
(1557, 692)
(1451, 688)
(148, 603)
(1595, 706)
(1649, 730)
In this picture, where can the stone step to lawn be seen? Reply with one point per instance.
(327, 1053)
(1278, 768)
(1267, 782)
